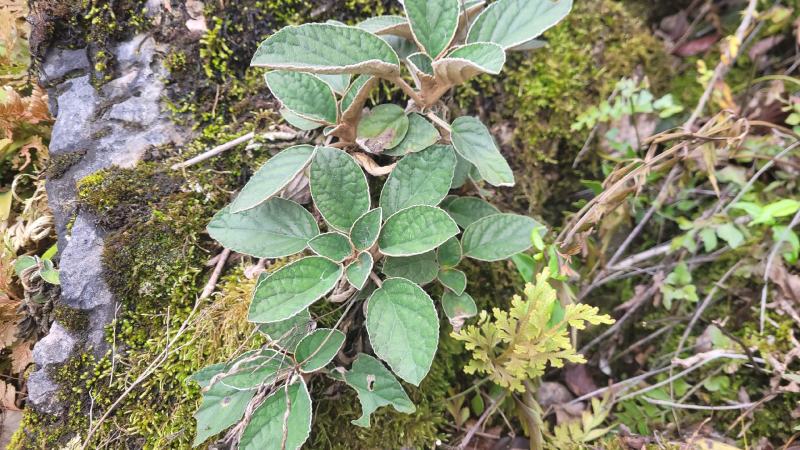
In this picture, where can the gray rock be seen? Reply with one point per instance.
(76, 108)
(82, 283)
(55, 348)
(42, 392)
(60, 64)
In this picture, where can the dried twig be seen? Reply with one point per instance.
(212, 281)
(271, 136)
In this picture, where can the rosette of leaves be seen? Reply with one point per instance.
(378, 254)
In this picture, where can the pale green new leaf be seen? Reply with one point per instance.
(469, 61)
(287, 333)
(498, 236)
(383, 127)
(338, 187)
(450, 253)
(273, 176)
(338, 82)
(293, 288)
(358, 271)
(331, 245)
(285, 410)
(319, 348)
(453, 279)
(403, 328)
(473, 141)
(421, 269)
(376, 387)
(421, 178)
(304, 94)
(327, 49)
(421, 135)
(729, 233)
(510, 23)
(458, 307)
(434, 23)
(366, 228)
(273, 229)
(416, 230)
(221, 408)
(420, 63)
(465, 210)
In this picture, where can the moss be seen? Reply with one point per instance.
(60, 164)
(70, 318)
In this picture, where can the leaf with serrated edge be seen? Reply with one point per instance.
(475, 143)
(434, 23)
(287, 333)
(403, 328)
(221, 408)
(376, 387)
(498, 237)
(319, 348)
(284, 413)
(465, 210)
(510, 23)
(421, 269)
(366, 228)
(421, 178)
(469, 61)
(453, 279)
(339, 187)
(301, 123)
(416, 230)
(273, 176)
(383, 127)
(449, 254)
(293, 288)
(331, 245)
(421, 135)
(273, 229)
(304, 94)
(358, 271)
(327, 49)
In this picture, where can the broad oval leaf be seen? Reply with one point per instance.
(510, 23)
(256, 369)
(273, 176)
(454, 280)
(273, 229)
(358, 271)
(458, 308)
(338, 187)
(221, 408)
(204, 376)
(403, 328)
(421, 135)
(304, 94)
(383, 127)
(498, 237)
(301, 123)
(449, 254)
(433, 22)
(376, 387)
(382, 25)
(319, 348)
(293, 288)
(465, 210)
(287, 333)
(473, 141)
(463, 167)
(421, 178)
(286, 413)
(331, 245)
(366, 228)
(416, 230)
(421, 269)
(327, 49)
(469, 61)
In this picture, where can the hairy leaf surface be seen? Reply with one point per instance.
(273, 176)
(421, 178)
(421, 269)
(366, 228)
(331, 245)
(416, 230)
(285, 410)
(433, 22)
(319, 348)
(304, 94)
(498, 236)
(358, 271)
(421, 135)
(510, 23)
(338, 187)
(474, 142)
(376, 387)
(465, 210)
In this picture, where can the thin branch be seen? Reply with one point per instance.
(212, 281)
(697, 407)
(409, 91)
(474, 429)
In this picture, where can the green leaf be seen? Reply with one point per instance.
(469, 61)
(23, 263)
(453, 279)
(331, 245)
(473, 141)
(48, 273)
(533, 44)
(327, 49)
(461, 175)
(421, 178)
(416, 230)
(319, 348)
(450, 253)
(221, 408)
(510, 23)
(383, 127)
(376, 387)
(339, 82)
(293, 288)
(273, 176)
(403, 328)
(402, 46)
(366, 228)
(433, 22)
(385, 25)
(709, 237)
(5, 204)
(273, 229)
(457, 308)
(255, 369)
(421, 135)
(301, 123)
(304, 94)
(498, 237)
(358, 271)
(730, 234)
(204, 376)
(466, 210)
(359, 89)
(781, 208)
(526, 266)
(421, 269)
(285, 413)
(287, 333)
(338, 187)
(419, 63)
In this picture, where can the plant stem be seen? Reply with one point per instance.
(533, 413)
(399, 81)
